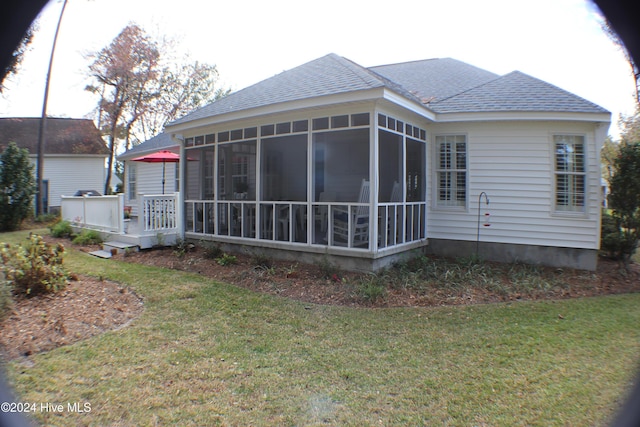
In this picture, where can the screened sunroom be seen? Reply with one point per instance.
(335, 183)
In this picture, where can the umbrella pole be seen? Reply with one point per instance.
(163, 175)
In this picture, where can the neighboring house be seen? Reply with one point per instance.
(74, 154)
(146, 178)
(366, 165)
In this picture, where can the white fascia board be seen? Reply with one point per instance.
(71, 156)
(523, 115)
(283, 107)
(127, 156)
(410, 105)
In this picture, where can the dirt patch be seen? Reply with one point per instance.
(85, 308)
(89, 306)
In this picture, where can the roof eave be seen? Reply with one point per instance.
(523, 115)
(281, 107)
(128, 156)
(413, 106)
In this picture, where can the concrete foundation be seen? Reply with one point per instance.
(341, 258)
(583, 259)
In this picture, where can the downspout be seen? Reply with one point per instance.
(179, 139)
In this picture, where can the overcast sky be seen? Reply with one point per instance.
(558, 41)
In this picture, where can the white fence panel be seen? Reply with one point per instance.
(104, 213)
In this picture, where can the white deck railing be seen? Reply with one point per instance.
(336, 224)
(158, 213)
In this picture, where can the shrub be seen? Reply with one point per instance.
(227, 259)
(372, 287)
(612, 240)
(35, 267)
(262, 260)
(327, 268)
(61, 229)
(624, 198)
(181, 247)
(5, 299)
(17, 187)
(47, 218)
(212, 251)
(88, 237)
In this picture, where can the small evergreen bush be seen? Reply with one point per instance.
(612, 241)
(17, 187)
(371, 288)
(212, 251)
(227, 259)
(61, 229)
(88, 237)
(34, 268)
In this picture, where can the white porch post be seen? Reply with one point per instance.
(120, 213)
(374, 177)
(182, 162)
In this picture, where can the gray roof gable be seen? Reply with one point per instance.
(515, 91)
(328, 75)
(162, 141)
(435, 79)
(443, 85)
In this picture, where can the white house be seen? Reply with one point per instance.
(146, 178)
(368, 165)
(74, 155)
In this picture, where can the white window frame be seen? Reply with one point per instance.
(576, 170)
(453, 171)
(132, 184)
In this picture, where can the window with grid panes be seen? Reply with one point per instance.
(570, 173)
(451, 170)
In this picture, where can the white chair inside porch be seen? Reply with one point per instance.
(352, 225)
(322, 212)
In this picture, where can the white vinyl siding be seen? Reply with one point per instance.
(68, 174)
(570, 173)
(148, 180)
(514, 164)
(451, 171)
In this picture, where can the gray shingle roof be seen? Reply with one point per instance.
(162, 141)
(443, 85)
(435, 79)
(516, 91)
(328, 75)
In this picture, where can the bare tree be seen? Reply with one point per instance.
(184, 87)
(124, 73)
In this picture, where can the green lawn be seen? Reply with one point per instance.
(207, 353)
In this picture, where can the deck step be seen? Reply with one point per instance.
(101, 254)
(119, 247)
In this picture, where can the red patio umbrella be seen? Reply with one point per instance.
(163, 156)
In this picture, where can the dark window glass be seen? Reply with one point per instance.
(223, 136)
(267, 130)
(250, 132)
(321, 123)
(301, 126)
(283, 128)
(340, 121)
(361, 119)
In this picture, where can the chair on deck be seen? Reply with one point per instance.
(322, 212)
(396, 193)
(358, 217)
